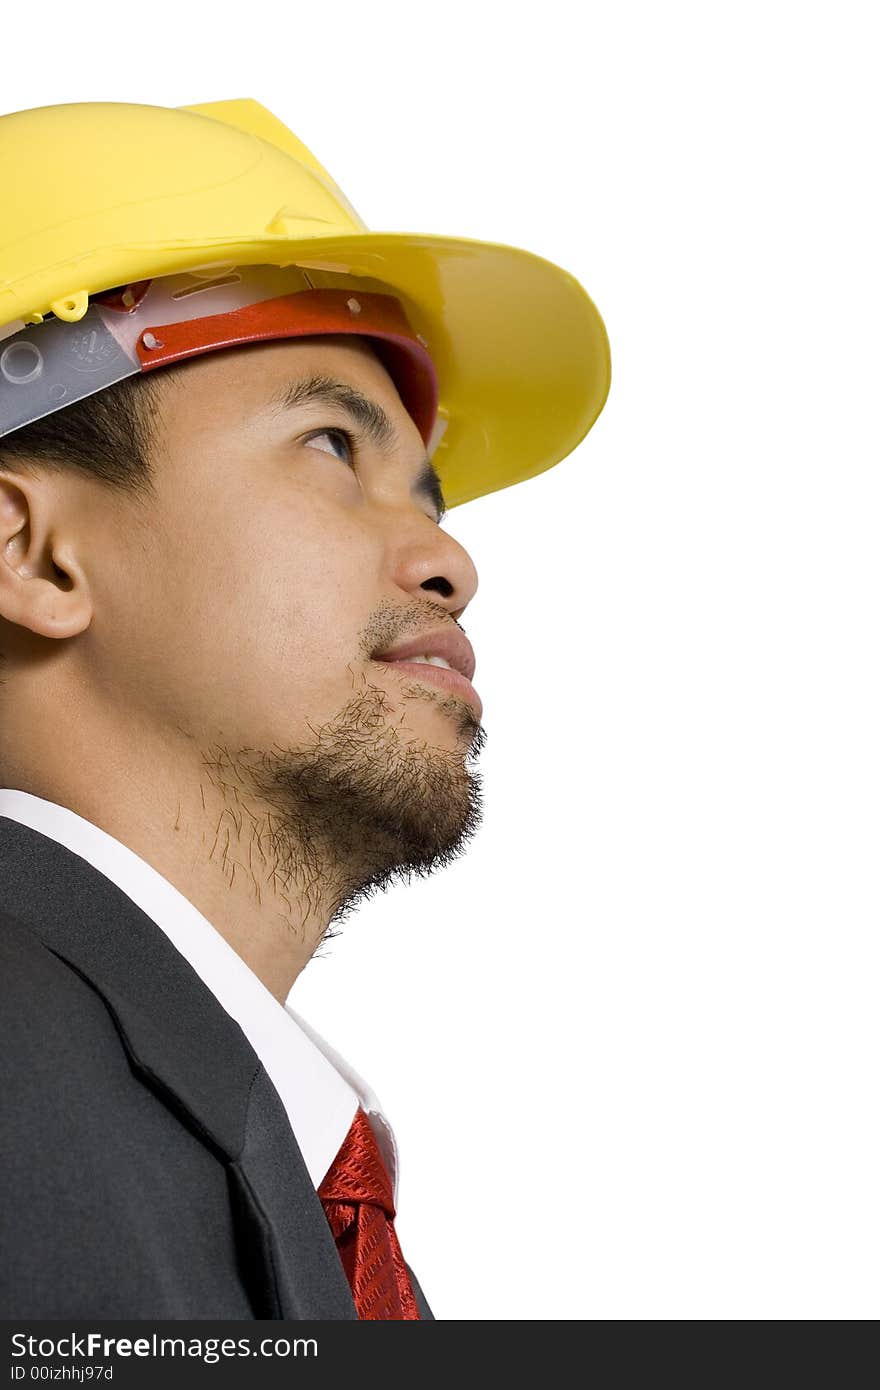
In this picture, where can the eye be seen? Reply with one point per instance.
(344, 435)
(350, 442)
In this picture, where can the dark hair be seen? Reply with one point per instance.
(107, 435)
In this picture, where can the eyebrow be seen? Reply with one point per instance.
(368, 415)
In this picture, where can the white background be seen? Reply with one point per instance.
(631, 1040)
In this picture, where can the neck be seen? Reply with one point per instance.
(191, 820)
(272, 844)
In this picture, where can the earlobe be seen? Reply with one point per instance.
(42, 585)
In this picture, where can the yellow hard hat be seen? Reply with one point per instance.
(101, 195)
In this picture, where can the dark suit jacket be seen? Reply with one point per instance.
(148, 1169)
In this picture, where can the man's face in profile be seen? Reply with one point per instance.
(244, 613)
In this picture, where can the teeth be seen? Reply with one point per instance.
(431, 661)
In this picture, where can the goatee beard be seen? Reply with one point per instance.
(328, 825)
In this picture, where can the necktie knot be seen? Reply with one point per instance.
(358, 1173)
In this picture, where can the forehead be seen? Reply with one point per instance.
(248, 396)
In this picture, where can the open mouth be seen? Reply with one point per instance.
(434, 671)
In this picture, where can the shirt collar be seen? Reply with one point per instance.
(320, 1091)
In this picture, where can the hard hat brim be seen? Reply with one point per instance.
(520, 349)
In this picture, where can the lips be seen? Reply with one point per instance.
(448, 642)
(439, 676)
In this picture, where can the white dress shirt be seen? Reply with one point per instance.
(319, 1090)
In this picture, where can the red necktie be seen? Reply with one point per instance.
(359, 1201)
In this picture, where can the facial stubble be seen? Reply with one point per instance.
(364, 804)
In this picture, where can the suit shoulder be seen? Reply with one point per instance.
(68, 1093)
(50, 1016)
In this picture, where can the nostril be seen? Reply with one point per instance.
(439, 583)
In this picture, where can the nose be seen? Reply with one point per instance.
(425, 560)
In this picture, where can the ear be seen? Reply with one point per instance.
(42, 586)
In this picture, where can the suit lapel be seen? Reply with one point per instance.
(196, 1058)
